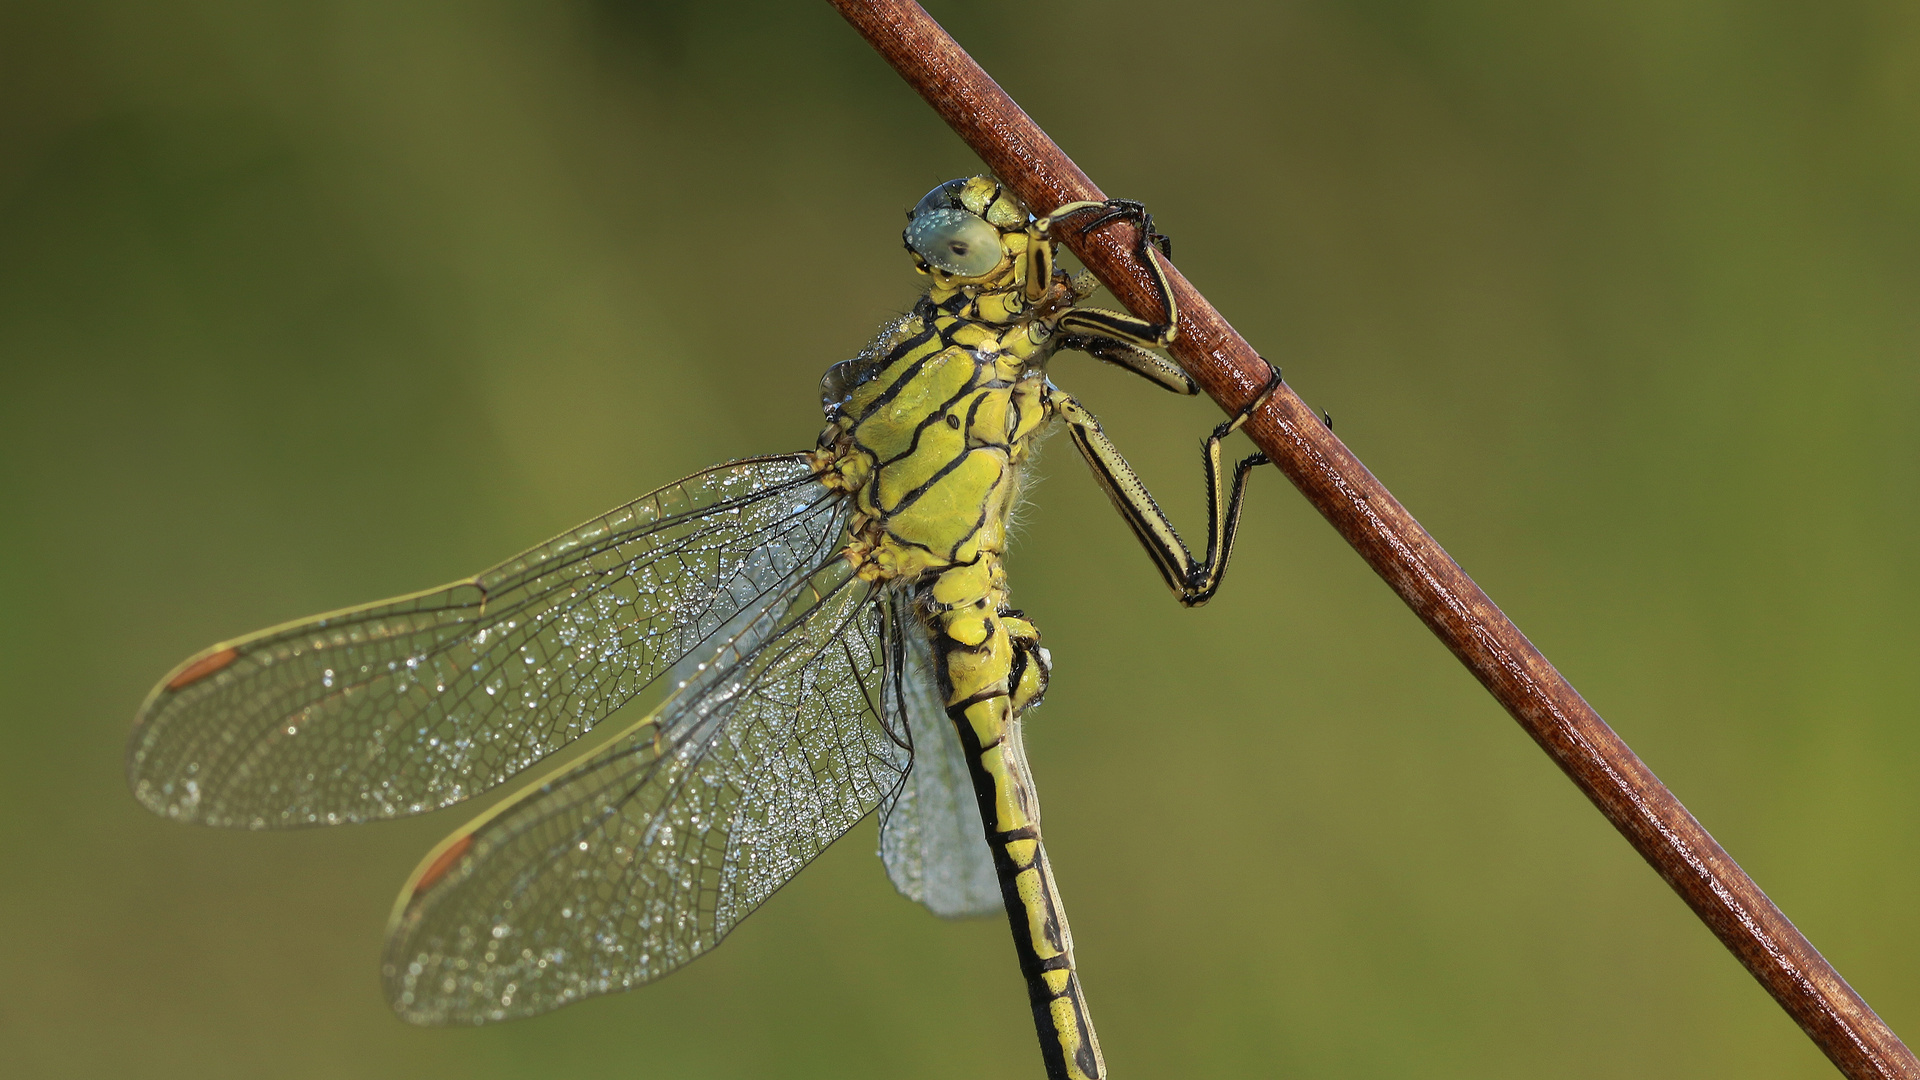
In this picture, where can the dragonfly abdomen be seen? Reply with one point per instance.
(992, 669)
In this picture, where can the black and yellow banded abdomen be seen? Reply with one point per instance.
(992, 670)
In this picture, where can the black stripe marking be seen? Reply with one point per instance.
(909, 498)
(893, 391)
(973, 387)
(958, 710)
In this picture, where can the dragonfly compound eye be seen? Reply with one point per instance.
(958, 242)
(943, 197)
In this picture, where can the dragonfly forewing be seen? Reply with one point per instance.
(645, 854)
(419, 702)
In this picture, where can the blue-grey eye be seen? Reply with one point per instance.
(958, 242)
(944, 197)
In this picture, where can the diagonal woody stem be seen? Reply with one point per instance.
(1403, 554)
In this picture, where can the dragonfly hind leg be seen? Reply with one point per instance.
(1193, 581)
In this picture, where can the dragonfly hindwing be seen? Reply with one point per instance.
(644, 855)
(931, 835)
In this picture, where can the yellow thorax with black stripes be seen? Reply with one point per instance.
(930, 425)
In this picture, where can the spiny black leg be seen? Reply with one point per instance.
(1150, 241)
(1273, 383)
(1192, 580)
(1131, 357)
(1129, 209)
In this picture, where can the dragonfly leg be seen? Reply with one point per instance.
(1150, 366)
(1193, 581)
(1153, 246)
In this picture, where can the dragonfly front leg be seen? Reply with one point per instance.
(1193, 581)
(1152, 247)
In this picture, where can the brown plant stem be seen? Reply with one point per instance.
(1403, 554)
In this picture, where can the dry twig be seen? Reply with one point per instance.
(1402, 553)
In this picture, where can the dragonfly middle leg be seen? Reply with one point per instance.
(1193, 581)
(1129, 356)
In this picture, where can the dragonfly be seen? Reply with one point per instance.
(831, 632)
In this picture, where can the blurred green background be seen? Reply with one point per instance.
(306, 303)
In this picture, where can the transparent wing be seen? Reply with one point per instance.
(621, 868)
(931, 837)
(414, 703)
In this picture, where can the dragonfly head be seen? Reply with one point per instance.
(969, 231)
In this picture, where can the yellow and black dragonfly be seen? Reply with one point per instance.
(832, 630)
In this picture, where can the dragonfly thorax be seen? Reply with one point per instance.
(938, 418)
(930, 426)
